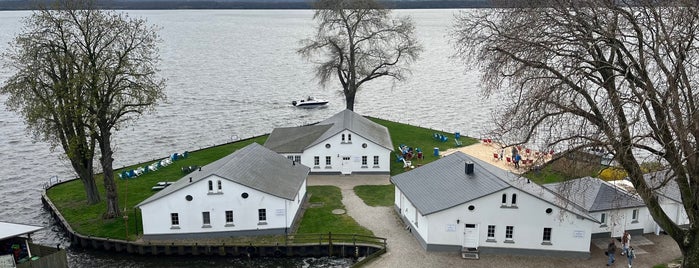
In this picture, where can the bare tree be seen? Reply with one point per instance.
(358, 41)
(606, 74)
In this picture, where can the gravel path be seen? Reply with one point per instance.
(404, 251)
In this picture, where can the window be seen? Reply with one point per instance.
(504, 199)
(328, 161)
(343, 137)
(316, 160)
(509, 230)
(514, 199)
(206, 219)
(262, 214)
(376, 160)
(547, 234)
(634, 215)
(349, 137)
(211, 186)
(364, 160)
(219, 185)
(295, 158)
(229, 217)
(491, 232)
(603, 219)
(175, 219)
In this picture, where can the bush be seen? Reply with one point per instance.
(612, 174)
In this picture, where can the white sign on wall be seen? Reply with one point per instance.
(279, 212)
(451, 228)
(578, 234)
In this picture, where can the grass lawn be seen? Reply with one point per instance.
(376, 195)
(319, 218)
(418, 137)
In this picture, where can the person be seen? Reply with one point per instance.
(502, 153)
(625, 239)
(517, 159)
(630, 255)
(514, 152)
(611, 250)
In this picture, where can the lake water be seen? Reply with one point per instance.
(233, 74)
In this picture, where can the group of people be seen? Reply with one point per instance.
(626, 249)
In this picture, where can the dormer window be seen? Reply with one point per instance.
(219, 185)
(343, 137)
(211, 186)
(349, 138)
(504, 199)
(514, 200)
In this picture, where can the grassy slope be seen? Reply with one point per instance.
(319, 218)
(376, 195)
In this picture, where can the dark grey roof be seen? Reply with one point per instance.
(444, 184)
(297, 139)
(253, 166)
(294, 139)
(356, 123)
(670, 190)
(594, 194)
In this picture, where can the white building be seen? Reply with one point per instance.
(669, 198)
(345, 143)
(253, 191)
(460, 203)
(616, 209)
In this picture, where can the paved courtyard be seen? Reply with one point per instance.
(404, 250)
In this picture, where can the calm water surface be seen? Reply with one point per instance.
(233, 74)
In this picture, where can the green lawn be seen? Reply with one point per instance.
(319, 218)
(418, 137)
(376, 195)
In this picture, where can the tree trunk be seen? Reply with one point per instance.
(91, 191)
(108, 172)
(349, 98)
(690, 250)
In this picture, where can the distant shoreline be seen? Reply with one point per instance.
(228, 4)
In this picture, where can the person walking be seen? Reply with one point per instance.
(630, 255)
(611, 250)
(625, 243)
(517, 159)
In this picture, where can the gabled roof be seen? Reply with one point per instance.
(252, 166)
(594, 194)
(444, 184)
(670, 190)
(8, 229)
(297, 139)
(294, 139)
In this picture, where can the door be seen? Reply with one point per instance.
(618, 221)
(346, 168)
(470, 236)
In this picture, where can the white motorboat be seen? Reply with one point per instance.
(310, 102)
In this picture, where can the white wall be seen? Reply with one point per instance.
(156, 215)
(569, 233)
(674, 211)
(353, 149)
(419, 225)
(619, 220)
